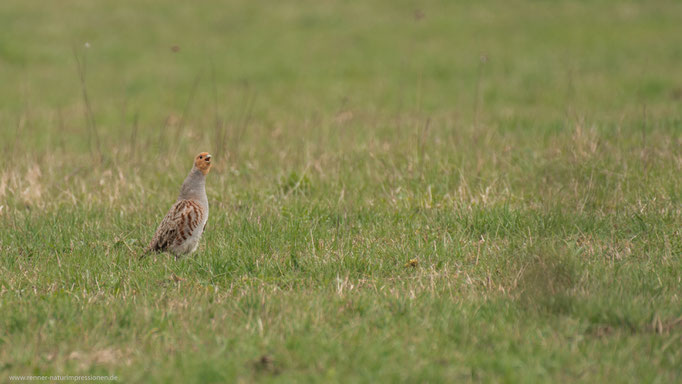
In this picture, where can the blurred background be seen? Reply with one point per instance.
(220, 71)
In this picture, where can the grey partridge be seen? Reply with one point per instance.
(181, 229)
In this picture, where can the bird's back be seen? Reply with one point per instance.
(181, 229)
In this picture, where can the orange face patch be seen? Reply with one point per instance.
(203, 162)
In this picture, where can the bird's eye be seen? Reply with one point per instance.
(201, 157)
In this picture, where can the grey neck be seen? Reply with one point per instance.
(194, 187)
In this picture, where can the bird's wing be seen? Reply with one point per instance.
(178, 225)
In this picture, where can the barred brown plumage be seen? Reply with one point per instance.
(182, 227)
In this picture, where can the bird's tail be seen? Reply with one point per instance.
(144, 253)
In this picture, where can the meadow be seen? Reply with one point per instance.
(402, 191)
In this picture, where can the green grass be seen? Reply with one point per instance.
(449, 192)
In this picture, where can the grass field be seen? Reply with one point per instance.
(402, 192)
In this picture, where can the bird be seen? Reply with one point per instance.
(181, 229)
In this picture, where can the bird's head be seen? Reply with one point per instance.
(203, 162)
